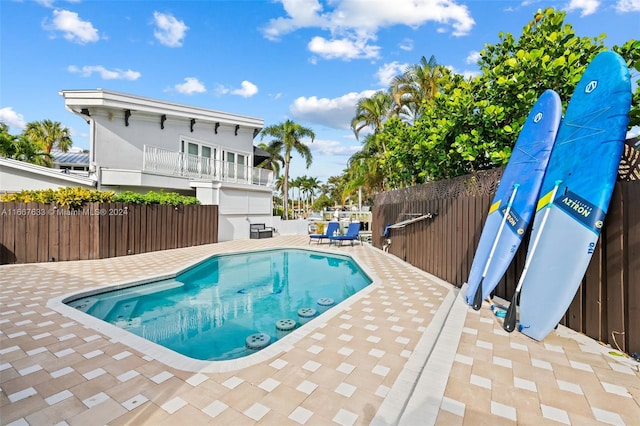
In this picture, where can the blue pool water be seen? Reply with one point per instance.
(215, 309)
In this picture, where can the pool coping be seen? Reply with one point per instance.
(183, 362)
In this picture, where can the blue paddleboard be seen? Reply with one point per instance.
(525, 170)
(568, 220)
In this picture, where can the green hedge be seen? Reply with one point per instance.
(73, 198)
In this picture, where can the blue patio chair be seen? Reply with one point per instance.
(352, 234)
(331, 228)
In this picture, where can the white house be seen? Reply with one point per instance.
(141, 144)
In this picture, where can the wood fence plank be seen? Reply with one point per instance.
(631, 204)
(595, 296)
(93, 235)
(133, 232)
(21, 229)
(43, 232)
(150, 218)
(613, 248)
(74, 232)
(31, 227)
(9, 234)
(54, 236)
(64, 226)
(141, 226)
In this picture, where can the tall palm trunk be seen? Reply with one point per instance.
(286, 189)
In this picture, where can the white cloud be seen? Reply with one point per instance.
(470, 74)
(332, 148)
(247, 89)
(12, 118)
(387, 72)
(190, 86)
(46, 3)
(49, 3)
(587, 7)
(335, 113)
(105, 74)
(344, 48)
(628, 6)
(406, 44)
(169, 31)
(72, 27)
(358, 21)
(474, 57)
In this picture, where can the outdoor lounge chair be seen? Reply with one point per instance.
(352, 234)
(331, 228)
(259, 230)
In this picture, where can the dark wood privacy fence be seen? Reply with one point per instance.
(607, 306)
(34, 232)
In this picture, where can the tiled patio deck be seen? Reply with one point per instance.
(405, 350)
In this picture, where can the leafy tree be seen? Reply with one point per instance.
(372, 112)
(322, 202)
(631, 52)
(275, 159)
(296, 183)
(309, 186)
(287, 137)
(419, 83)
(336, 186)
(49, 135)
(472, 124)
(21, 148)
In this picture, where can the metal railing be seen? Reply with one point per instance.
(174, 163)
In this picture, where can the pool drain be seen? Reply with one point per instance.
(306, 314)
(284, 327)
(325, 303)
(258, 341)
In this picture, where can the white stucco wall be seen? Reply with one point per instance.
(17, 175)
(119, 146)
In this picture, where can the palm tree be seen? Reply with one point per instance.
(418, 83)
(49, 134)
(296, 183)
(310, 185)
(274, 160)
(21, 148)
(279, 186)
(372, 112)
(287, 136)
(26, 150)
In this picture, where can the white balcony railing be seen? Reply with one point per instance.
(163, 161)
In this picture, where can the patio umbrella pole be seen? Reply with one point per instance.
(477, 298)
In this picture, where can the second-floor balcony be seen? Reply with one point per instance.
(173, 163)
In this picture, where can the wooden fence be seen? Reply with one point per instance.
(606, 307)
(34, 232)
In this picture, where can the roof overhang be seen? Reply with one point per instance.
(46, 172)
(80, 101)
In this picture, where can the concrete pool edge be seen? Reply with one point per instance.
(182, 362)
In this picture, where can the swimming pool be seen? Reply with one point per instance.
(229, 306)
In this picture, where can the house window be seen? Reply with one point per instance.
(236, 165)
(199, 159)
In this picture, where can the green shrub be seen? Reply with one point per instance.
(74, 198)
(71, 198)
(152, 197)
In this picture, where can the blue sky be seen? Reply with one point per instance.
(305, 60)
